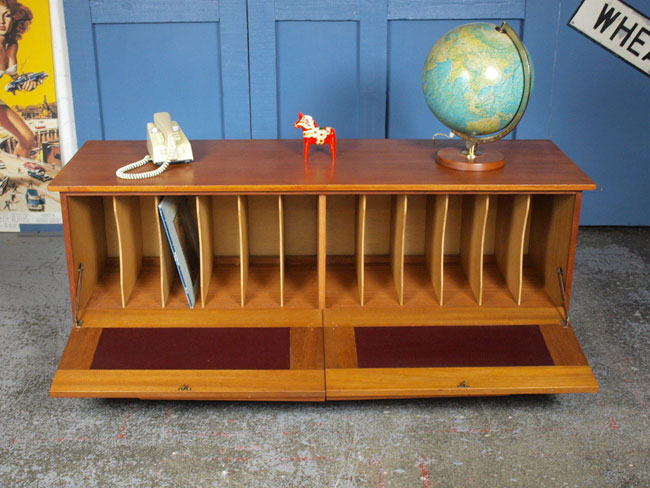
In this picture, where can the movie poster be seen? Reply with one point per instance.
(29, 136)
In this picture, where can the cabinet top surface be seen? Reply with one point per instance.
(362, 165)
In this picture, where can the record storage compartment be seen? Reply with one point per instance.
(319, 286)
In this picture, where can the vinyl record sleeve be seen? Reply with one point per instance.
(182, 232)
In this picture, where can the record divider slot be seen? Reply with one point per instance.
(206, 243)
(397, 237)
(360, 242)
(167, 266)
(281, 246)
(436, 222)
(322, 250)
(242, 216)
(512, 217)
(88, 243)
(129, 234)
(473, 224)
(550, 236)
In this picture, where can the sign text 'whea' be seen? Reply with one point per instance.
(617, 27)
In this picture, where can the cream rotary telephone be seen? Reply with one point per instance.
(167, 144)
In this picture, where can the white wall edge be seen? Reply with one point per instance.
(67, 130)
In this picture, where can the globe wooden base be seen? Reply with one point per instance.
(454, 158)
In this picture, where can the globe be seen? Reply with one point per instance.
(477, 79)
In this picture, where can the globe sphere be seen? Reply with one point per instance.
(473, 79)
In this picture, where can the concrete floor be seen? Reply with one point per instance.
(564, 440)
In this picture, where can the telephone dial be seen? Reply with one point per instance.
(167, 144)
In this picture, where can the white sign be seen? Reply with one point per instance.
(617, 27)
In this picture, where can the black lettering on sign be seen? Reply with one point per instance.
(621, 27)
(617, 27)
(637, 40)
(606, 18)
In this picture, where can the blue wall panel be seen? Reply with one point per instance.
(318, 75)
(408, 46)
(83, 71)
(601, 118)
(244, 68)
(143, 68)
(138, 11)
(370, 50)
(456, 9)
(129, 59)
(540, 37)
(235, 96)
(263, 66)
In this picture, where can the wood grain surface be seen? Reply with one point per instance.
(206, 243)
(397, 235)
(511, 222)
(360, 244)
(242, 218)
(389, 165)
(241, 384)
(435, 237)
(322, 249)
(475, 212)
(129, 234)
(345, 283)
(85, 243)
(375, 383)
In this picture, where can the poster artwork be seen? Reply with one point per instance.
(29, 135)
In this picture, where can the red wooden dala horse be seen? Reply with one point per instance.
(312, 134)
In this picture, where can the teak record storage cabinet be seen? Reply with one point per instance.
(383, 276)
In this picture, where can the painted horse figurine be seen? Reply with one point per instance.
(312, 134)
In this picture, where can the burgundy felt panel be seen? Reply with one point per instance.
(200, 348)
(421, 347)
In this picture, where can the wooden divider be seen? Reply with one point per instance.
(322, 249)
(281, 245)
(167, 266)
(512, 216)
(474, 218)
(87, 239)
(129, 236)
(360, 243)
(242, 216)
(550, 236)
(206, 243)
(550, 219)
(397, 234)
(437, 206)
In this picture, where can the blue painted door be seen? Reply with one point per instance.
(327, 59)
(129, 59)
(244, 68)
(353, 65)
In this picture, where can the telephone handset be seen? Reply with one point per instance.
(167, 144)
(166, 140)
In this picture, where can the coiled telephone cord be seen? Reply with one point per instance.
(122, 172)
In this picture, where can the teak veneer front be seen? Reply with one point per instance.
(382, 276)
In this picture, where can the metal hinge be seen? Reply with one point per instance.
(565, 321)
(77, 322)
